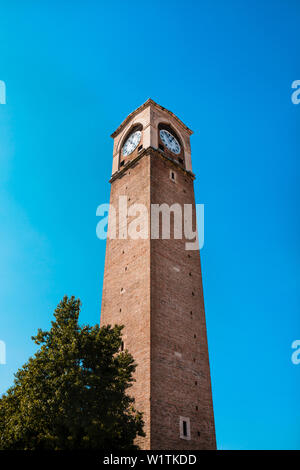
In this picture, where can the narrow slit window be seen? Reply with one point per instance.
(185, 428)
(172, 176)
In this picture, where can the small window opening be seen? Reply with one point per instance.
(161, 147)
(172, 176)
(184, 428)
(122, 163)
(140, 148)
(180, 161)
(122, 346)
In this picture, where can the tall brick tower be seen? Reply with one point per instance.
(153, 285)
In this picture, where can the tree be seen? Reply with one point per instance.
(72, 394)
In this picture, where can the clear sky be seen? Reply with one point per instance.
(73, 71)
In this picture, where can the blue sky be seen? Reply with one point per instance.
(73, 71)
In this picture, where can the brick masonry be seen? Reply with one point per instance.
(154, 288)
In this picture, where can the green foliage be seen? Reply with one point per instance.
(73, 393)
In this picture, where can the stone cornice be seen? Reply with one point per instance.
(143, 153)
(143, 106)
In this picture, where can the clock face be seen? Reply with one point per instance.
(170, 141)
(131, 143)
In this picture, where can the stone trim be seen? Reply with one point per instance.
(143, 106)
(187, 437)
(143, 153)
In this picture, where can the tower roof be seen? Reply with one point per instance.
(143, 106)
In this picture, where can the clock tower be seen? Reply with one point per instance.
(153, 283)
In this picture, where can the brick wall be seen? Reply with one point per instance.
(132, 307)
(162, 309)
(180, 376)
